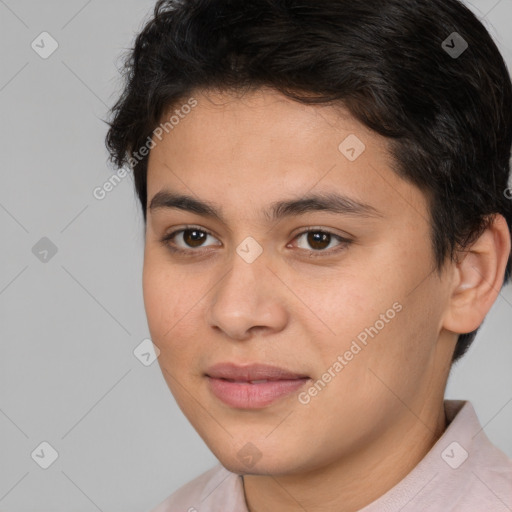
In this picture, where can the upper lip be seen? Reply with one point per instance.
(251, 372)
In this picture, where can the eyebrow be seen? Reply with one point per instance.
(331, 202)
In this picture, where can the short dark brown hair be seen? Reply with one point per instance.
(448, 117)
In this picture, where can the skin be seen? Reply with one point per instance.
(379, 416)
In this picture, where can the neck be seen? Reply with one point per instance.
(356, 480)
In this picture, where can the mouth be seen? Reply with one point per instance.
(252, 386)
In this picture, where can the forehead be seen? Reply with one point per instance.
(252, 148)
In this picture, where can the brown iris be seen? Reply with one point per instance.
(196, 237)
(317, 239)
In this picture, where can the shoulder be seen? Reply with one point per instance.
(463, 471)
(474, 474)
(217, 482)
(492, 470)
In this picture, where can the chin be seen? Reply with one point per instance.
(275, 465)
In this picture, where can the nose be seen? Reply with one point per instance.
(248, 300)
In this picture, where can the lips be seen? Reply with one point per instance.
(253, 373)
(253, 386)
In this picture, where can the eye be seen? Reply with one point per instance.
(191, 237)
(320, 240)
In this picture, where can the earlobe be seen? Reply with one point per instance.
(479, 277)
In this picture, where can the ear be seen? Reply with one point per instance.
(478, 278)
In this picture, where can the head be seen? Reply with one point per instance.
(348, 119)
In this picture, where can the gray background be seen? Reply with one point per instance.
(68, 327)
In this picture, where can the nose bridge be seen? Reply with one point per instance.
(247, 269)
(248, 258)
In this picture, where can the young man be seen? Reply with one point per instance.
(324, 188)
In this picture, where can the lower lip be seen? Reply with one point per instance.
(243, 395)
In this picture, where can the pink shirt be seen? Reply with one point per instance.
(463, 472)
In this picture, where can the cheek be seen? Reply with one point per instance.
(347, 304)
(169, 299)
(175, 298)
(169, 302)
(368, 313)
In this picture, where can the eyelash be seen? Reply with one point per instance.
(344, 242)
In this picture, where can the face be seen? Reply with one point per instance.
(340, 295)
